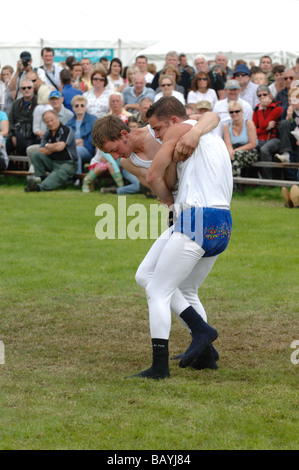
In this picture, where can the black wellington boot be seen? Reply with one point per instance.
(202, 335)
(160, 366)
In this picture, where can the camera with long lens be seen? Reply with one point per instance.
(25, 63)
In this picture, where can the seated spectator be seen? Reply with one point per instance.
(248, 88)
(132, 187)
(76, 69)
(278, 84)
(173, 72)
(68, 91)
(39, 86)
(4, 125)
(265, 117)
(134, 94)
(3, 155)
(217, 68)
(98, 96)
(167, 84)
(232, 90)
(172, 58)
(20, 121)
(130, 74)
(259, 78)
(81, 125)
(133, 122)
(47, 100)
(202, 107)
(240, 139)
(4, 128)
(144, 104)
(57, 156)
(200, 90)
(288, 131)
(221, 59)
(7, 99)
(217, 82)
(282, 96)
(114, 76)
(116, 103)
(101, 163)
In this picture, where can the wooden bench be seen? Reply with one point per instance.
(243, 180)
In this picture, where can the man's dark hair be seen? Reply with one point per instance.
(166, 107)
(47, 49)
(65, 76)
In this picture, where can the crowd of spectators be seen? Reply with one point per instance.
(48, 111)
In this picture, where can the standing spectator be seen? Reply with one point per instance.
(114, 76)
(57, 156)
(68, 91)
(98, 96)
(217, 81)
(7, 99)
(141, 63)
(248, 89)
(278, 84)
(265, 117)
(173, 59)
(200, 90)
(81, 125)
(282, 96)
(20, 121)
(24, 65)
(48, 72)
(266, 67)
(134, 94)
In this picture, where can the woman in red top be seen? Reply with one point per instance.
(266, 117)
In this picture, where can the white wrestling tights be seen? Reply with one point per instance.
(172, 278)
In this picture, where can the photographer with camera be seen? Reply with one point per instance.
(24, 65)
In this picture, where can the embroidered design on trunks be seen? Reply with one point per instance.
(224, 230)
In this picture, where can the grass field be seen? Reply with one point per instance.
(74, 323)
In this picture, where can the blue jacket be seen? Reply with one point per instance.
(85, 129)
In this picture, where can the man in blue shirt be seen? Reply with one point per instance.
(68, 91)
(134, 94)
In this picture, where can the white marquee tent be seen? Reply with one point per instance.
(241, 30)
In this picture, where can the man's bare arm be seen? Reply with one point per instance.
(137, 171)
(188, 142)
(163, 158)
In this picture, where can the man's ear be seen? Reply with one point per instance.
(174, 120)
(124, 133)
